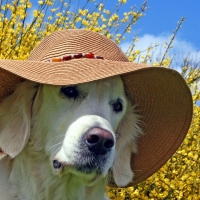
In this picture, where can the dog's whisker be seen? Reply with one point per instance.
(56, 151)
(53, 139)
(52, 147)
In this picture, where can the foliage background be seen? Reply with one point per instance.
(22, 28)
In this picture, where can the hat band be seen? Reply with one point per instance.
(75, 56)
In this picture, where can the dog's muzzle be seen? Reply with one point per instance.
(99, 141)
(96, 143)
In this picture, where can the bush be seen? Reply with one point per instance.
(22, 28)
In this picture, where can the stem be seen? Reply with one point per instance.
(172, 40)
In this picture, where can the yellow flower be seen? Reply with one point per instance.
(59, 14)
(40, 2)
(117, 40)
(89, 16)
(156, 64)
(54, 10)
(85, 22)
(101, 7)
(106, 11)
(109, 36)
(35, 13)
(122, 1)
(129, 29)
(49, 2)
(137, 51)
(29, 5)
(49, 18)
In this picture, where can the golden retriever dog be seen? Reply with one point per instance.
(64, 142)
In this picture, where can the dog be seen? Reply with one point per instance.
(65, 142)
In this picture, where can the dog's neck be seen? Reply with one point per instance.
(35, 180)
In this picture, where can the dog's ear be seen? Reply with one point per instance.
(15, 115)
(127, 133)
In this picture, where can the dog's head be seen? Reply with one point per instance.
(85, 129)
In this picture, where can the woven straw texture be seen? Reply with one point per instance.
(162, 96)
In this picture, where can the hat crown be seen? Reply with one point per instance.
(74, 41)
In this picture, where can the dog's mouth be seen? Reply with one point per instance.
(89, 173)
(93, 154)
(84, 165)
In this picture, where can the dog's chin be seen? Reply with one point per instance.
(88, 169)
(87, 174)
(88, 177)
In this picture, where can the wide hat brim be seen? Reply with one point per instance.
(162, 97)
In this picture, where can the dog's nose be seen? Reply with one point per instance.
(99, 141)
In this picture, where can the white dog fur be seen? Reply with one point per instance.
(39, 124)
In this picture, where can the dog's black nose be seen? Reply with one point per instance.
(99, 141)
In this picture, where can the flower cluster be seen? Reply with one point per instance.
(179, 178)
(21, 30)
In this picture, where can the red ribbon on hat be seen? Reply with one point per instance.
(75, 56)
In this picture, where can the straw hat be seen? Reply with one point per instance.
(163, 98)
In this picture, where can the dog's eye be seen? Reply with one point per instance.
(117, 106)
(70, 91)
